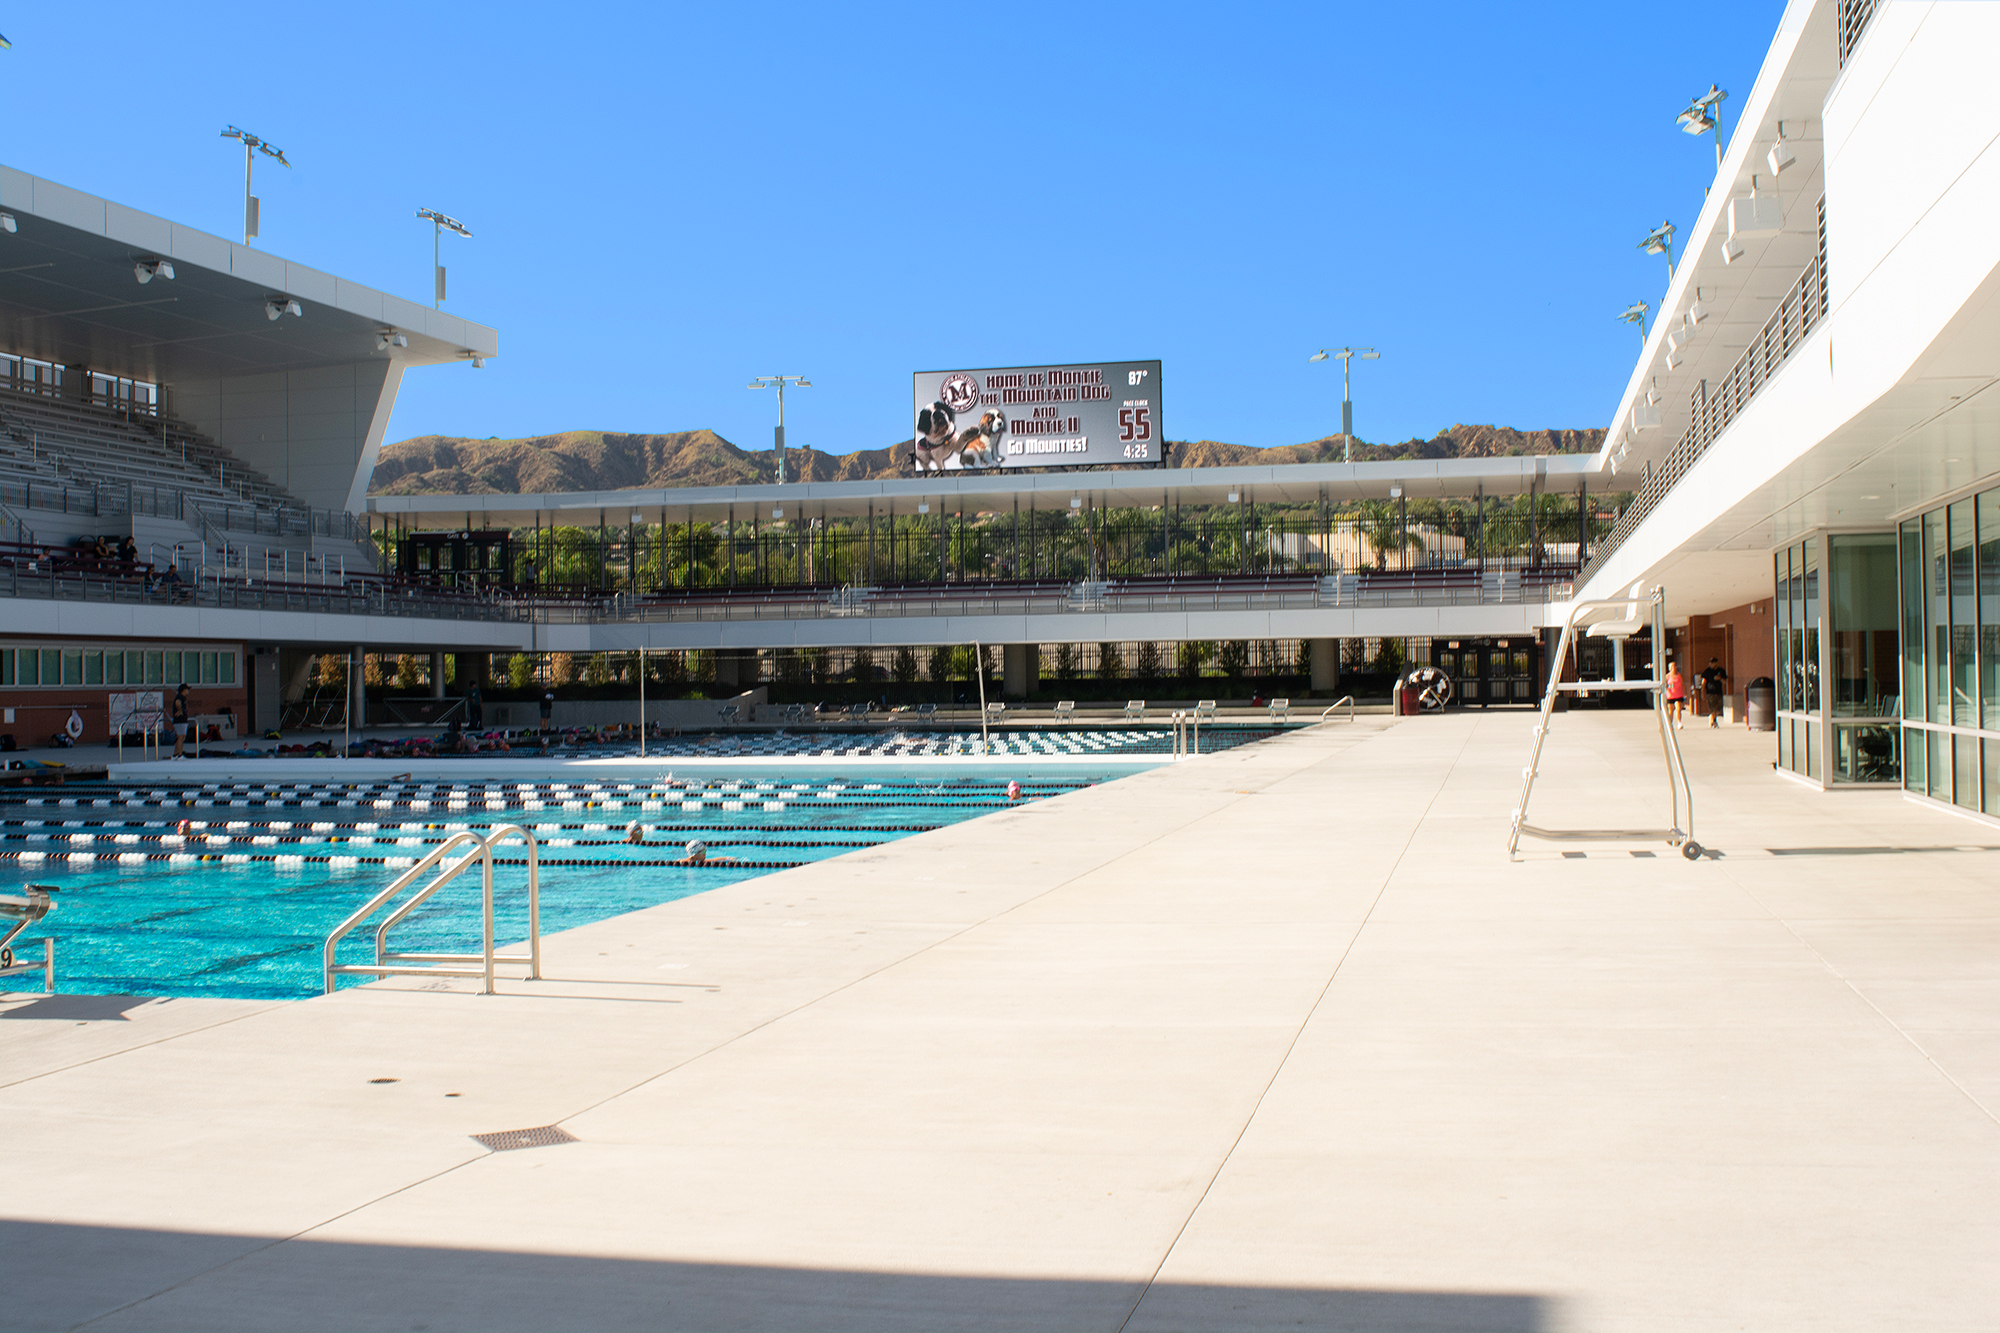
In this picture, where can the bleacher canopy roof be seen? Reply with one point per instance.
(69, 295)
(1284, 484)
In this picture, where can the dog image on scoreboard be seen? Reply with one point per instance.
(979, 446)
(935, 440)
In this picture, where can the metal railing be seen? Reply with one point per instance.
(1347, 699)
(392, 964)
(1714, 407)
(1854, 16)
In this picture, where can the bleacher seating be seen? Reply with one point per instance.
(49, 441)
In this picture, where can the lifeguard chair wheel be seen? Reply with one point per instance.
(1691, 850)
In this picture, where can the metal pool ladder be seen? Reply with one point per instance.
(388, 964)
(1618, 632)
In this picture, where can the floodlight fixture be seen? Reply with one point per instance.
(1704, 115)
(479, 363)
(146, 270)
(387, 338)
(1636, 314)
(778, 511)
(1660, 241)
(440, 224)
(1781, 154)
(1347, 356)
(1731, 249)
(779, 382)
(1235, 496)
(252, 145)
(8, 223)
(279, 306)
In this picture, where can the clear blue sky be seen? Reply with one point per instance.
(670, 199)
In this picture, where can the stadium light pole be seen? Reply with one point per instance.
(252, 145)
(779, 382)
(1346, 355)
(440, 224)
(1704, 115)
(1660, 241)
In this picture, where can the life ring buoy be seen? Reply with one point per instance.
(75, 725)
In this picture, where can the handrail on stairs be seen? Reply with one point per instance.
(1347, 699)
(389, 963)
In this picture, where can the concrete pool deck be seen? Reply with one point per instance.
(1271, 1039)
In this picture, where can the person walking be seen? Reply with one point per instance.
(548, 706)
(475, 707)
(1677, 696)
(183, 726)
(1714, 685)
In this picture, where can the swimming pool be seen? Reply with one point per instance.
(239, 903)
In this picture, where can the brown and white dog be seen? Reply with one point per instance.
(979, 446)
(934, 441)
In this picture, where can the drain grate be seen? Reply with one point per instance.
(541, 1136)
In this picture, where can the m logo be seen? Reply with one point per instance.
(959, 392)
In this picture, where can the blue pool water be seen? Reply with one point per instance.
(240, 904)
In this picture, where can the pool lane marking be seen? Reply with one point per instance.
(393, 862)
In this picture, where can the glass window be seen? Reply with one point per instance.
(6, 666)
(1964, 619)
(1992, 806)
(1989, 610)
(1861, 630)
(135, 668)
(30, 668)
(93, 667)
(1809, 618)
(155, 668)
(208, 676)
(72, 666)
(1781, 615)
(1865, 752)
(114, 668)
(1965, 764)
(1913, 760)
(172, 665)
(1937, 619)
(1913, 620)
(1812, 732)
(226, 668)
(1939, 745)
(51, 666)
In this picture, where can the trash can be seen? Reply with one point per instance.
(1760, 704)
(1408, 702)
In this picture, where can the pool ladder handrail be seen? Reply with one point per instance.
(1187, 734)
(1347, 699)
(389, 964)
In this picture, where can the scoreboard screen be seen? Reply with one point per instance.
(1037, 416)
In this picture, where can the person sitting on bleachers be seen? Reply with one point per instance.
(170, 584)
(128, 551)
(101, 549)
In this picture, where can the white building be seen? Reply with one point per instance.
(1813, 423)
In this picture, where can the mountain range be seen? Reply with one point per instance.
(592, 460)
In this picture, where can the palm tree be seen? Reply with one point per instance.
(1380, 524)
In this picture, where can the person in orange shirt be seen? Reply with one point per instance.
(1677, 695)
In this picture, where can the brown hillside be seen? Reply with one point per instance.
(590, 460)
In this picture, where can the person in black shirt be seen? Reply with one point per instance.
(183, 728)
(548, 706)
(1714, 684)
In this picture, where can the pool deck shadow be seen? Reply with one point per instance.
(1276, 1038)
